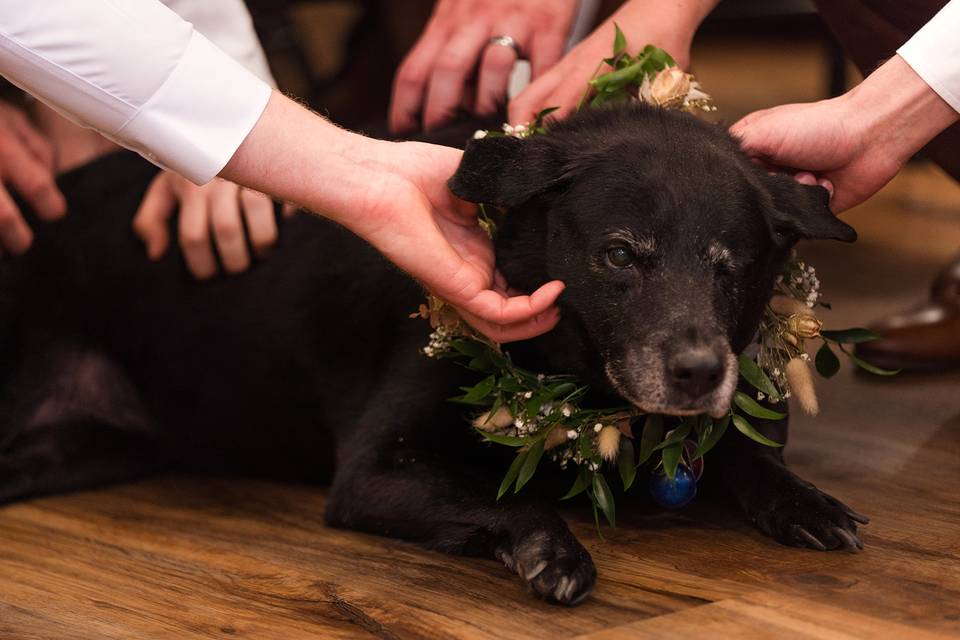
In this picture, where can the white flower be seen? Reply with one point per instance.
(572, 434)
(528, 395)
(597, 427)
(479, 134)
(566, 410)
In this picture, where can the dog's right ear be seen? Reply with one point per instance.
(504, 171)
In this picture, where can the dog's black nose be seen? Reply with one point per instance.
(696, 371)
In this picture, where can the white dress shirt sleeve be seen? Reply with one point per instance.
(227, 24)
(934, 53)
(137, 73)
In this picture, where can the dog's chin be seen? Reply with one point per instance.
(654, 396)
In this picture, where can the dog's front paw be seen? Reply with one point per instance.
(557, 568)
(806, 517)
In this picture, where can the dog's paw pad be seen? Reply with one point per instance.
(809, 518)
(558, 569)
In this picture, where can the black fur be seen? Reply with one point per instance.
(307, 366)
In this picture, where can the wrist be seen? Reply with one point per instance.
(895, 109)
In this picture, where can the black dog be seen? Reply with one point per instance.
(307, 367)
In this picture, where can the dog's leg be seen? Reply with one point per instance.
(413, 497)
(71, 456)
(780, 503)
(70, 419)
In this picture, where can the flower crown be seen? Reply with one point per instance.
(541, 414)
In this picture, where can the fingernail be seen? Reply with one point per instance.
(805, 177)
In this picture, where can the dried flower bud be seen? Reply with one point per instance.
(801, 385)
(499, 420)
(555, 438)
(786, 306)
(804, 326)
(670, 86)
(608, 443)
(625, 427)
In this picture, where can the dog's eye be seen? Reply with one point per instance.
(620, 256)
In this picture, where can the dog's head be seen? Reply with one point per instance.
(669, 240)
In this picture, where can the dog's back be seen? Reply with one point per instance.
(232, 369)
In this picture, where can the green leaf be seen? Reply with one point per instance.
(677, 435)
(579, 485)
(512, 473)
(827, 362)
(872, 368)
(626, 464)
(616, 80)
(651, 437)
(480, 391)
(510, 441)
(744, 427)
(619, 41)
(710, 436)
(604, 499)
(671, 460)
(469, 347)
(562, 389)
(753, 408)
(530, 464)
(752, 373)
(850, 336)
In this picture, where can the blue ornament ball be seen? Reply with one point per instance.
(676, 494)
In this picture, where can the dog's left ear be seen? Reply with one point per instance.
(802, 212)
(504, 171)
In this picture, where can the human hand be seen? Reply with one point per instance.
(26, 166)
(220, 207)
(434, 78)
(416, 222)
(854, 144)
(667, 25)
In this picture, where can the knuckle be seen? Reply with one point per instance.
(226, 229)
(192, 238)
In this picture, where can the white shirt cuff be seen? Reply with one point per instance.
(194, 123)
(934, 54)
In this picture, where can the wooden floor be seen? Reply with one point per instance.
(180, 557)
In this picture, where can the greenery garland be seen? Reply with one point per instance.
(541, 415)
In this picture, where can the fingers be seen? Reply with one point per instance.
(151, 222)
(228, 227)
(496, 65)
(453, 68)
(546, 50)
(539, 324)
(410, 82)
(36, 142)
(32, 179)
(15, 235)
(260, 219)
(525, 106)
(194, 235)
(517, 317)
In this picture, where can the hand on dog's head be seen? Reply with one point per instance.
(669, 240)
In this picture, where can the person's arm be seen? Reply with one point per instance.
(852, 145)
(934, 53)
(394, 195)
(141, 75)
(137, 73)
(669, 24)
